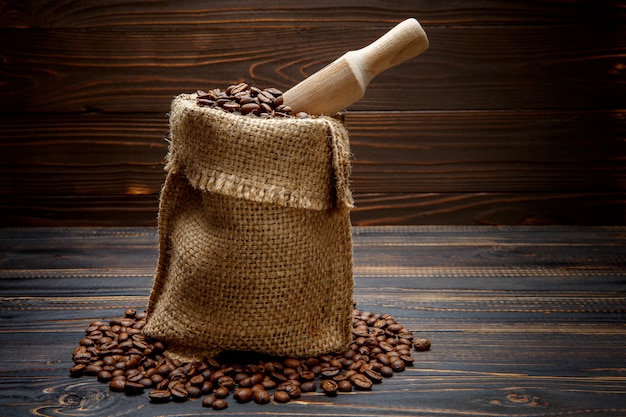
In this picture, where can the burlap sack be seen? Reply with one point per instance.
(254, 235)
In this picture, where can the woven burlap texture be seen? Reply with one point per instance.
(255, 249)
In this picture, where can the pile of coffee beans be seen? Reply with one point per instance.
(118, 354)
(246, 100)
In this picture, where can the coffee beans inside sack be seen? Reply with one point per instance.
(255, 257)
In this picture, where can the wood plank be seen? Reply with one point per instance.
(124, 14)
(394, 152)
(497, 350)
(485, 67)
(601, 209)
(552, 208)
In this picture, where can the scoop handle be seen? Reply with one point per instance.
(343, 82)
(403, 42)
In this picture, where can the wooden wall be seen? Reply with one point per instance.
(515, 115)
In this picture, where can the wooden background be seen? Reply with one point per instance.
(515, 115)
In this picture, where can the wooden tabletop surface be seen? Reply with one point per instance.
(524, 321)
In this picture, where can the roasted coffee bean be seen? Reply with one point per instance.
(146, 382)
(179, 392)
(421, 345)
(250, 108)
(292, 363)
(77, 370)
(329, 387)
(208, 401)
(159, 396)
(193, 392)
(281, 397)
(219, 404)
(291, 388)
(133, 388)
(386, 371)
(118, 385)
(207, 387)
(269, 384)
(373, 376)
(344, 386)
(361, 382)
(227, 382)
(221, 392)
(306, 376)
(330, 371)
(398, 365)
(243, 395)
(261, 396)
(104, 376)
(408, 360)
(308, 386)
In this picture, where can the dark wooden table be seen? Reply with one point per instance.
(524, 321)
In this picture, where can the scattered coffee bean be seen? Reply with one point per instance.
(221, 392)
(361, 382)
(281, 397)
(261, 396)
(421, 345)
(117, 353)
(219, 404)
(159, 396)
(344, 386)
(243, 395)
(117, 385)
(208, 401)
(133, 388)
(329, 387)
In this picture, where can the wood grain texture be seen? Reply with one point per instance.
(515, 114)
(494, 167)
(482, 67)
(132, 14)
(523, 320)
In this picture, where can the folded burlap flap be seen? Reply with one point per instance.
(255, 250)
(280, 161)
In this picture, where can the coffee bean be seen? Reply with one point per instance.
(373, 376)
(193, 392)
(208, 401)
(386, 371)
(308, 386)
(77, 370)
(179, 392)
(219, 404)
(243, 395)
(330, 371)
(291, 388)
(421, 345)
(207, 387)
(252, 108)
(281, 397)
(159, 396)
(344, 386)
(329, 387)
(118, 385)
(221, 392)
(133, 388)
(104, 376)
(398, 365)
(361, 382)
(261, 396)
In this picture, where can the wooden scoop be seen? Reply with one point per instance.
(343, 82)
